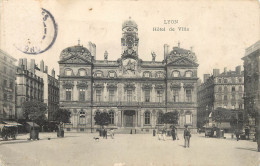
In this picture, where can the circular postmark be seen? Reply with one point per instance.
(50, 32)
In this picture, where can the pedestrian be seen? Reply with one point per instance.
(186, 136)
(112, 133)
(173, 133)
(247, 132)
(164, 133)
(237, 134)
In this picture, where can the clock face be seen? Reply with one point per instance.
(129, 41)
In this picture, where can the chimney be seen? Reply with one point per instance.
(92, 49)
(238, 69)
(215, 72)
(53, 73)
(105, 55)
(225, 70)
(46, 69)
(25, 63)
(179, 44)
(32, 66)
(42, 66)
(205, 77)
(166, 49)
(20, 63)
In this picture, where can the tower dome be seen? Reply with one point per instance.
(129, 23)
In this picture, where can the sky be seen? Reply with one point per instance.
(219, 31)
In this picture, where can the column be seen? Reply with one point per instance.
(119, 118)
(136, 118)
(122, 118)
(142, 119)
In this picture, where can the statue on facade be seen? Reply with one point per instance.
(153, 55)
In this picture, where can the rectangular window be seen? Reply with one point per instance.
(81, 94)
(111, 95)
(68, 94)
(11, 85)
(98, 95)
(5, 83)
(188, 119)
(129, 95)
(159, 95)
(175, 95)
(188, 95)
(147, 95)
(5, 97)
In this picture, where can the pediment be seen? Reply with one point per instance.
(183, 61)
(75, 60)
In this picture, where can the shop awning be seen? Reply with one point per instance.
(11, 123)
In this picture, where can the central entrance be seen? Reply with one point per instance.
(129, 118)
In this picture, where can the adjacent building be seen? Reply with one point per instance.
(7, 86)
(220, 90)
(34, 83)
(135, 93)
(252, 85)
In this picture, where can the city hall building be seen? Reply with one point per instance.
(135, 93)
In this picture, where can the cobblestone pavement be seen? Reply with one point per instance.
(80, 149)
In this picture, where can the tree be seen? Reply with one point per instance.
(35, 111)
(61, 115)
(102, 119)
(170, 117)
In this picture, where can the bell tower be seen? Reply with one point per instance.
(129, 40)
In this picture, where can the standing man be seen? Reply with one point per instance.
(186, 136)
(173, 133)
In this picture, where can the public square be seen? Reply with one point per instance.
(127, 150)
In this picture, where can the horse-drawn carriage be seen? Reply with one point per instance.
(8, 130)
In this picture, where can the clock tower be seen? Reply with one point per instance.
(129, 40)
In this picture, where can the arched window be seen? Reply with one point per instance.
(188, 74)
(159, 118)
(147, 74)
(219, 81)
(147, 117)
(220, 89)
(82, 72)
(159, 74)
(68, 72)
(111, 117)
(111, 74)
(175, 74)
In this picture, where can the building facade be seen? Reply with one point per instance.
(35, 84)
(7, 86)
(252, 85)
(223, 90)
(134, 92)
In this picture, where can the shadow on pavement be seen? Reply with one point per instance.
(250, 149)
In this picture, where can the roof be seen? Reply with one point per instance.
(129, 23)
(77, 50)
